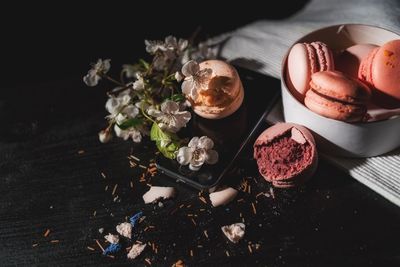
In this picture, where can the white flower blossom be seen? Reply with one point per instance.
(170, 118)
(153, 47)
(203, 52)
(133, 132)
(105, 136)
(178, 46)
(198, 152)
(124, 229)
(93, 76)
(139, 83)
(179, 76)
(136, 250)
(129, 70)
(195, 79)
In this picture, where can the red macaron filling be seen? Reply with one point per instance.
(283, 157)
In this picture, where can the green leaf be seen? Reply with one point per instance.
(167, 143)
(177, 97)
(144, 63)
(130, 123)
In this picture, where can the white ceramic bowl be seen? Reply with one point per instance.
(337, 137)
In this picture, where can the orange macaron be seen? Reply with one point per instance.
(337, 96)
(381, 70)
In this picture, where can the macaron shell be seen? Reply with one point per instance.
(325, 56)
(218, 112)
(305, 59)
(300, 64)
(340, 87)
(365, 69)
(280, 129)
(333, 109)
(226, 78)
(386, 69)
(349, 60)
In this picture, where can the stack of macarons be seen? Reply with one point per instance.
(342, 85)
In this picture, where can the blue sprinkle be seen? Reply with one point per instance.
(112, 249)
(135, 218)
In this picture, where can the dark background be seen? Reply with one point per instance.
(47, 115)
(46, 42)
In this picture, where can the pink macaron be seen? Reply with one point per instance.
(286, 154)
(337, 96)
(304, 59)
(381, 70)
(349, 60)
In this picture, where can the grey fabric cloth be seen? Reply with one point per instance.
(262, 45)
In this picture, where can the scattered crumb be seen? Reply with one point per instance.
(114, 189)
(46, 233)
(205, 233)
(223, 197)
(272, 193)
(113, 239)
(254, 208)
(101, 230)
(54, 241)
(234, 232)
(191, 253)
(179, 263)
(100, 246)
(250, 249)
(147, 260)
(90, 248)
(124, 229)
(103, 175)
(35, 245)
(136, 250)
(158, 192)
(80, 152)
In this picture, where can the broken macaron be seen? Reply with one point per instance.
(286, 154)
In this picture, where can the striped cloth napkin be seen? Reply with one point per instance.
(262, 45)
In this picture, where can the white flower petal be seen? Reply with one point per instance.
(199, 157)
(112, 105)
(120, 118)
(193, 142)
(178, 76)
(184, 155)
(106, 65)
(125, 99)
(91, 78)
(182, 44)
(190, 68)
(136, 136)
(212, 157)
(121, 133)
(169, 106)
(205, 142)
(187, 87)
(131, 111)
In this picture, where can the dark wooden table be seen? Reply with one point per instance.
(51, 166)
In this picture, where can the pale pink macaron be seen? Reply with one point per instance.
(304, 59)
(286, 154)
(349, 60)
(224, 94)
(381, 70)
(337, 96)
